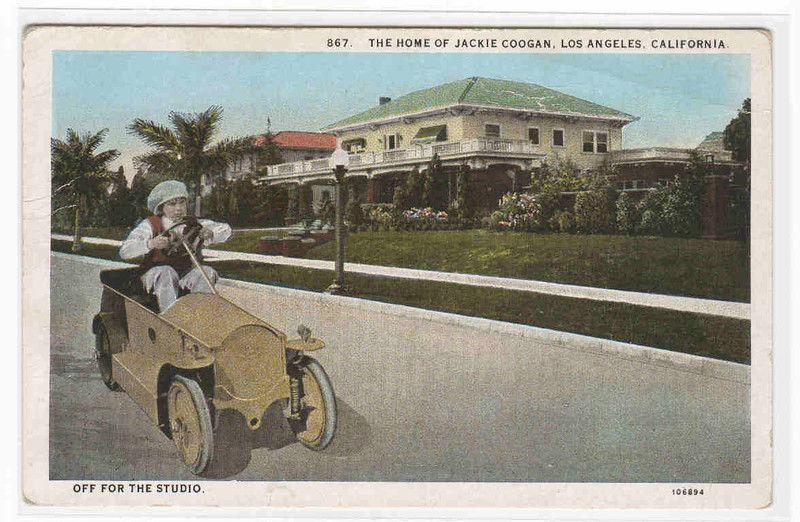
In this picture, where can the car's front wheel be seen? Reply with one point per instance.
(319, 405)
(190, 423)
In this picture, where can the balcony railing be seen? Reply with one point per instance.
(663, 154)
(418, 153)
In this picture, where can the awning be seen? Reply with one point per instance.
(431, 134)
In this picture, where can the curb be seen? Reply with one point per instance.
(695, 364)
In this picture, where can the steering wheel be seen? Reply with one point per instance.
(190, 234)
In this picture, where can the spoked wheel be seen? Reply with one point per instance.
(102, 353)
(190, 423)
(319, 406)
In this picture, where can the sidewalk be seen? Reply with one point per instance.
(730, 309)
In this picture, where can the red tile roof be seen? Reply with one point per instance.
(305, 140)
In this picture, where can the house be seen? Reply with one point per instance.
(500, 130)
(292, 145)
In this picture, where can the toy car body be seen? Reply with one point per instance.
(202, 356)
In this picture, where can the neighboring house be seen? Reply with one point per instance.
(501, 130)
(304, 146)
(292, 145)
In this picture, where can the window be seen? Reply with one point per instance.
(709, 158)
(392, 141)
(492, 130)
(533, 135)
(588, 141)
(601, 138)
(595, 142)
(558, 137)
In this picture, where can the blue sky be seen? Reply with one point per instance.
(679, 98)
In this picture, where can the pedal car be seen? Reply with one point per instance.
(203, 355)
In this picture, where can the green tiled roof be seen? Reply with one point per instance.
(714, 141)
(485, 92)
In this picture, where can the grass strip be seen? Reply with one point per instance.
(710, 336)
(687, 267)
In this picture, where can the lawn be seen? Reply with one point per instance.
(688, 267)
(717, 337)
(104, 232)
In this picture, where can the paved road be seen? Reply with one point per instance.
(418, 400)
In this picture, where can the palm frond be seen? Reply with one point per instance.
(154, 134)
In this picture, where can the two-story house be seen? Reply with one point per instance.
(501, 130)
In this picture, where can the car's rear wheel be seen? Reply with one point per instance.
(319, 404)
(102, 353)
(190, 423)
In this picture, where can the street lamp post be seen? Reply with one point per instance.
(339, 162)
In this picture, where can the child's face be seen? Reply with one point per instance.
(175, 209)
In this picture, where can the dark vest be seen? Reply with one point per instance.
(179, 261)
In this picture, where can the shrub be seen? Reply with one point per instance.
(594, 211)
(379, 216)
(562, 221)
(521, 212)
(651, 208)
(682, 209)
(626, 214)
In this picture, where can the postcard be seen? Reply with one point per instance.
(321, 267)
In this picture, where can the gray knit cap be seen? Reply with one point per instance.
(165, 191)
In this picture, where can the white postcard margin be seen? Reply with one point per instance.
(38, 45)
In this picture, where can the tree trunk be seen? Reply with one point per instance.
(76, 244)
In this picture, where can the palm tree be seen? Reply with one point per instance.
(80, 173)
(185, 151)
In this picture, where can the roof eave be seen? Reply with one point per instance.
(626, 119)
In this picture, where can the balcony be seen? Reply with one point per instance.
(663, 155)
(520, 152)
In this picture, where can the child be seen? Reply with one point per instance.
(167, 272)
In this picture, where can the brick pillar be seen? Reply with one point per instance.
(372, 190)
(715, 219)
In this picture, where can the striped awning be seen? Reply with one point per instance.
(431, 134)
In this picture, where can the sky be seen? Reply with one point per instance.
(679, 98)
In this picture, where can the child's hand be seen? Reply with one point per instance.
(158, 243)
(207, 234)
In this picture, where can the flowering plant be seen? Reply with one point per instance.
(421, 219)
(522, 212)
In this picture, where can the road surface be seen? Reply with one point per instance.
(418, 400)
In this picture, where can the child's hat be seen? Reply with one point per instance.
(165, 191)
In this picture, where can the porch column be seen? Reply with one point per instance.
(372, 190)
(306, 211)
